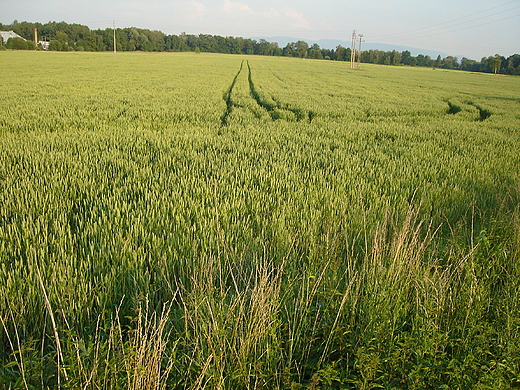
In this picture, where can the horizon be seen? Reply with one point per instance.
(474, 32)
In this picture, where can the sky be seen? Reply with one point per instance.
(469, 28)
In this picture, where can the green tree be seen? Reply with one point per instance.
(495, 63)
(276, 49)
(406, 58)
(287, 50)
(62, 37)
(438, 62)
(467, 64)
(422, 60)
(450, 62)
(248, 47)
(343, 54)
(375, 56)
(19, 44)
(387, 58)
(513, 64)
(302, 47)
(182, 42)
(171, 43)
(328, 54)
(143, 43)
(60, 42)
(238, 45)
(396, 57)
(315, 52)
(55, 45)
(264, 47)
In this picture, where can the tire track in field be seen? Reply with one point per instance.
(272, 109)
(455, 108)
(483, 112)
(256, 96)
(227, 99)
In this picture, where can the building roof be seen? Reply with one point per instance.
(9, 34)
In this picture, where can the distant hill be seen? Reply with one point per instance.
(333, 43)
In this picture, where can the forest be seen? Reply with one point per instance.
(63, 36)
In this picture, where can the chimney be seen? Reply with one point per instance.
(35, 36)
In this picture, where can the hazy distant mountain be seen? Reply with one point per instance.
(333, 43)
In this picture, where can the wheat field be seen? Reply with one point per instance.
(189, 221)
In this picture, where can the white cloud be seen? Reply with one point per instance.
(297, 17)
(235, 5)
(287, 16)
(272, 13)
(137, 7)
(195, 10)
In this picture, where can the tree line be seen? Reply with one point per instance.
(76, 37)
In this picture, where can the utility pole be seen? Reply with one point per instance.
(353, 50)
(114, 24)
(361, 40)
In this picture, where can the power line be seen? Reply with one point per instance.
(361, 40)
(483, 24)
(425, 33)
(420, 39)
(353, 50)
(451, 21)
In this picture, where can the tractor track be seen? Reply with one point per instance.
(227, 99)
(273, 109)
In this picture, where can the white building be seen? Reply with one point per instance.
(45, 44)
(9, 34)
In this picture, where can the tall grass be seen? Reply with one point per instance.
(398, 316)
